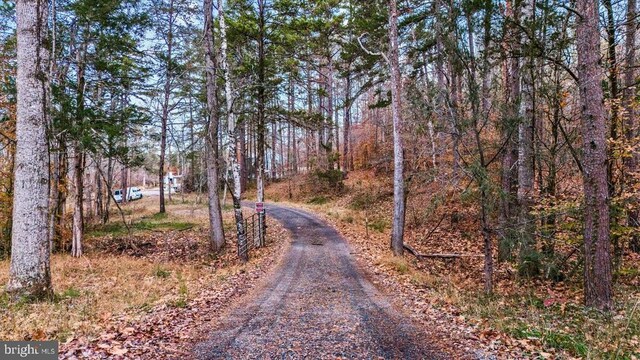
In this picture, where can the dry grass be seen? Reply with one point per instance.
(103, 286)
(91, 290)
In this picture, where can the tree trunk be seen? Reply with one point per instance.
(233, 139)
(455, 131)
(274, 140)
(614, 122)
(165, 110)
(291, 145)
(511, 75)
(216, 229)
(99, 209)
(242, 157)
(331, 124)
(597, 253)
(109, 184)
(631, 162)
(261, 115)
(526, 226)
(346, 165)
(397, 233)
(56, 182)
(78, 158)
(30, 249)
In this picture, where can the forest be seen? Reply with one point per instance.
(419, 178)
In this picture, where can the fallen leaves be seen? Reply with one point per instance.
(174, 289)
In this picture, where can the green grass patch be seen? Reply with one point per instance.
(161, 273)
(159, 216)
(183, 294)
(70, 293)
(154, 222)
(379, 225)
(4, 301)
(574, 344)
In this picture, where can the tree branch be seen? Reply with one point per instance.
(379, 53)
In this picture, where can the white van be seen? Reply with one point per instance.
(133, 193)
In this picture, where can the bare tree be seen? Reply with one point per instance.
(597, 253)
(30, 248)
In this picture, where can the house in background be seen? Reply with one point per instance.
(173, 182)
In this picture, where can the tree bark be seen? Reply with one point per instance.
(78, 211)
(332, 123)
(292, 145)
(526, 125)
(346, 165)
(597, 254)
(216, 229)
(242, 156)
(397, 234)
(29, 274)
(509, 176)
(233, 138)
(274, 139)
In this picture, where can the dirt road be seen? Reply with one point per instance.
(317, 304)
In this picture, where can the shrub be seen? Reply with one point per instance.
(330, 179)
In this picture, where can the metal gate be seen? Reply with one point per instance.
(255, 229)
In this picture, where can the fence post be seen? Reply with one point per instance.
(263, 228)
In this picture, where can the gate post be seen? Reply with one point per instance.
(261, 223)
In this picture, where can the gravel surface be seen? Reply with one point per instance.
(317, 304)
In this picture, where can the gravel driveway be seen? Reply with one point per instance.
(317, 304)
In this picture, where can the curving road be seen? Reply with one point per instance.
(317, 304)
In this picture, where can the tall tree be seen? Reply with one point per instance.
(233, 131)
(528, 263)
(597, 253)
(631, 160)
(168, 77)
(262, 102)
(216, 230)
(77, 150)
(397, 233)
(511, 79)
(30, 269)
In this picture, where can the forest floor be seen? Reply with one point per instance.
(525, 318)
(155, 292)
(151, 293)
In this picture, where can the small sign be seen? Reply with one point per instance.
(42, 350)
(259, 207)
